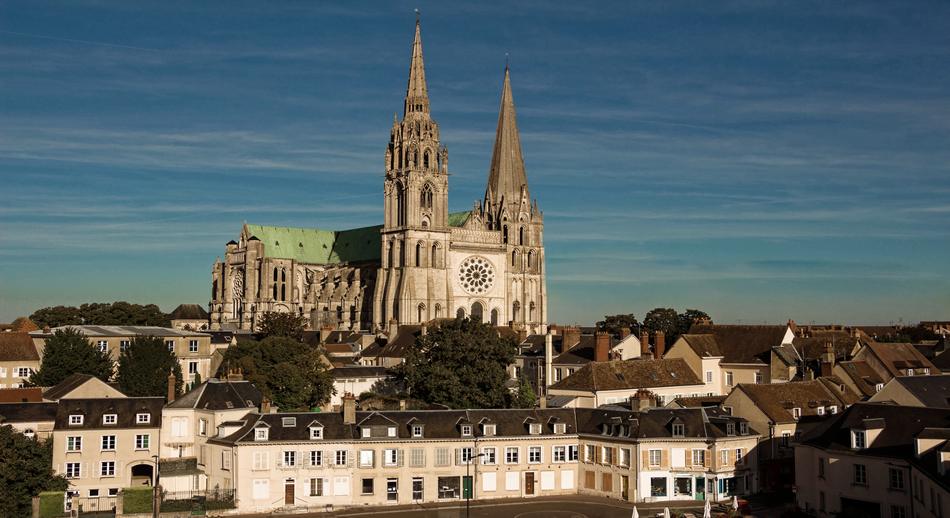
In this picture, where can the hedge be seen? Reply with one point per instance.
(137, 500)
(52, 504)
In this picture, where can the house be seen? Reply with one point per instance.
(894, 359)
(354, 380)
(19, 359)
(190, 317)
(604, 383)
(782, 413)
(727, 355)
(32, 419)
(877, 460)
(859, 377)
(193, 348)
(82, 386)
(927, 391)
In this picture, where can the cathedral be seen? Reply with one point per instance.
(422, 263)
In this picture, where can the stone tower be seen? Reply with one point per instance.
(411, 283)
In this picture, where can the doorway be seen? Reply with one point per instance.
(289, 492)
(529, 483)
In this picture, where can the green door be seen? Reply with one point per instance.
(699, 492)
(467, 487)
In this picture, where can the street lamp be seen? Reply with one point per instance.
(470, 480)
(155, 487)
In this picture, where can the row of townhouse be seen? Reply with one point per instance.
(319, 460)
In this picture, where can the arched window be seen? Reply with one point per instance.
(425, 159)
(514, 258)
(504, 234)
(400, 205)
(425, 199)
(477, 312)
(515, 310)
(494, 317)
(283, 284)
(460, 313)
(275, 278)
(438, 311)
(531, 259)
(353, 315)
(520, 235)
(389, 258)
(214, 290)
(421, 313)
(419, 253)
(531, 311)
(435, 256)
(339, 314)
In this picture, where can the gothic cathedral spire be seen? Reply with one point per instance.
(507, 181)
(417, 94)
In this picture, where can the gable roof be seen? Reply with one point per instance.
(862, 375)
(778, 399)
(216, 394)
(17, 347)
(931, 391)
(743, 343)
(898, 357)
(813, 346)
(629, 374)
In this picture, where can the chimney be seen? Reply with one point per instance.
(548, 358)
(46, 330)
(235, 375)
(402, 404)
(325, 331)
(601, 346)
(393, 328)
(265, 406)
(543, 402)
(624, 332)
(349, 409)
(571, 336)
(828, 360)
(641, 401)
(171, 386)
(644, 342)
(660, 346)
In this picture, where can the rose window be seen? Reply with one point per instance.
(476, 275)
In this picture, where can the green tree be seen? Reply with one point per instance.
(525, 397)
(281, 324)
(98, 313)
(662, 319)
(25, 471)
(289, 373)
(687, 318)
(613, 323)
(460, 364)
(144, 366)
(68, 352)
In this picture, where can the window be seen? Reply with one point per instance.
(758, 377)
(442, 457)
(679, 429)
(833, 409)
(260, 434)
(559, 453)
(141, 441)
(102, 345)
(895, 479)
(192, 346)
(728, 379)
(192, 368)
(898, 511)
(170, 344)
(821, 467)
(417, 457)
(589, 453)
(392, 489)
(124, 345)
(417, 488)
(466, 430)
(225, 460)
(391, 431)
(390, 457)
(820, 410)
(926, 371)
(511, 455)
(784, 439)
(743, 428)
(738, 455)
(367, 486)
(93, 493)
(260, 460)
(534, 455)
(316, 458)
(75, 419)
(860, 475)
(709, 376)
(878, 387)
(730, 428)
(572, 453)
(658, 486)
(108, 442)
(449, 487)
(340, 458)
(366, 458)
(74, 443)
(534, 428)
(316, 487)
(202, 427)
(316, 432)
(654, 457)
(290, 459)
(821, 501)
(606, 455)
(113, 491)
(724, 457)
(858, 439)
(72, 470)
(107, 468)
(699, 457)
(624, 459)
(796, 413)
(23, 372)
(488, 430)
(560, 428)
(417, 430)
(143, 418)
(465, 455)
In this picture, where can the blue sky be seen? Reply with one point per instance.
(759, 160)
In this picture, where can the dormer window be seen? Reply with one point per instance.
(391, 431)
(288, 422)
(730, 428)
(534, 428)
(261, 434)
(743, 428)
(910, 372)
(143, 418)
(489, 429)
(820, 410)
(109, 419)
(926, 371)
(796, 413)
(679, 430)
(466, 430)
(366, 432)
(316, 432)
(560, 428)
(879, 387)
(858, 439)
(417, 430)
(75, 419)
(833, 409)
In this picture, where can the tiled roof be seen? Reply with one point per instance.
(932, 391)
(629, 374)
(862, 375)
(705, 346)
(778, 399)
(699, 401)
(216, 394)
(17, 347)
(21, 395)
(581, 353)
(125, 409)
(27, 412)
(106, 331)
(813, 346)
(898, 357)
(743, 343)
(189, 312)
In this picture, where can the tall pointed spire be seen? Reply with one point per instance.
(506, 177)
(417, 94)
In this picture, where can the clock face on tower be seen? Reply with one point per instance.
(476, 275)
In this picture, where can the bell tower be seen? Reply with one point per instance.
(410, 287)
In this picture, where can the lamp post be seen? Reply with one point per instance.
(155, 495)
(471, 489)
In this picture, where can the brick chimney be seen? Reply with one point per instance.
(601, 346)
(624, 332)
(644, 342)
(171, 386)
(235, 375)
(349, 409)
(325, 331)
(828, 360)
(265, 405)
(660, 345)
(641, 401)
(570, 336)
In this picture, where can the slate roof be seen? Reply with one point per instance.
(743, 343)
(698, 401)
(189, 312)
(862, 375)
(93, 409)
(942, 361)
(107, 331)
(777, 400)
(27, 412)
(629, 374)
(705, 346)
(581, 353)
(897, 357)
(220, 337)
(216, 394)
(17, 347)
(932, 391)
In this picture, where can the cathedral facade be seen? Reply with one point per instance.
(422, 263)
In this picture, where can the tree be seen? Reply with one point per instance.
(613, 323)
(525, 397)
(688, 318)
(104, 314)
(289, 373)
(68, 352)
(144, 367)
(281, 324)
(662, 319)
(26, 470)
(461, 364)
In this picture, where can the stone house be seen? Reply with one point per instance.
(612, 382)
(19, 359)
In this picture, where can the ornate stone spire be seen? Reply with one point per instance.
(506, 177)
(417, 94)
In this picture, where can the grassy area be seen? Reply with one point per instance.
(51, 504)
(137, 500)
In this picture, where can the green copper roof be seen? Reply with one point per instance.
(457, 219)
(317, 246)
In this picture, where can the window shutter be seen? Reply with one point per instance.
(400, 457)
(458, 456)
